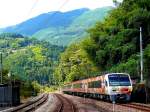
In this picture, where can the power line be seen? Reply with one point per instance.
(33, 6)
(63, 4)
(53, 14)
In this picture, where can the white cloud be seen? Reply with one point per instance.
(16, 11)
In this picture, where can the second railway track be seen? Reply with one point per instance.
(30, 105)
(65, 104)
(137, 106)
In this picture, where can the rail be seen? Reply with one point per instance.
(65, 104)
(30, 105)
(137, 106)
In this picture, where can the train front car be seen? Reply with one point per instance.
(119, 86)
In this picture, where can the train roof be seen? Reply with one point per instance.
(92, 78)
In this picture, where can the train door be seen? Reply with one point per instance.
(103, 84)
(106, 86)
(86, 87)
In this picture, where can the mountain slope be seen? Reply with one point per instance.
(60, 28)
(75, 31)
(51, 19)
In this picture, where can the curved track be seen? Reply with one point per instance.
(30, 105)
(141, 107)
(65, 104)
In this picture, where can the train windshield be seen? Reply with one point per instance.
(119, 80)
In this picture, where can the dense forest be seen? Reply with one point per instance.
(28, 60)
(112, 45)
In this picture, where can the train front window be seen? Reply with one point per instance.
(119, 80)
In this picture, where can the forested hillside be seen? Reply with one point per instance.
(75, 31)
(28, 60)
(112, 45)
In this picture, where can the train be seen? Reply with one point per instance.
(110, 86)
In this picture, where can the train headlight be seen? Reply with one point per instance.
(130, 89)
(115, 89)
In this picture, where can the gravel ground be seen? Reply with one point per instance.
(50, 105)
(82, 105)
(91, 105)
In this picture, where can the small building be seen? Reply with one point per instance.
(9, 94)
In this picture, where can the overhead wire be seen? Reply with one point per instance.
(58, 32)
(33, 6)
(46, 21)
(57, 10)
(63, 4)
(54, 14)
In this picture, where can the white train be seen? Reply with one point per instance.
(111, 86)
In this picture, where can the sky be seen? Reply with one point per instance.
(16, 11)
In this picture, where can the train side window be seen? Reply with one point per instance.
(94, 84)
(89, 85)
(98, 84)
(78, 85)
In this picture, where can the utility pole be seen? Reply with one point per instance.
(141, 54)
(1, 68)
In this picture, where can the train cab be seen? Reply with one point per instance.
(118, 86)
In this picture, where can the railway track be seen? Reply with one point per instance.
(30, 105)
(141, 107)
(65, 104)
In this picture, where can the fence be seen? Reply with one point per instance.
(9, 95)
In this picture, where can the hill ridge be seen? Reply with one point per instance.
(57, 26)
